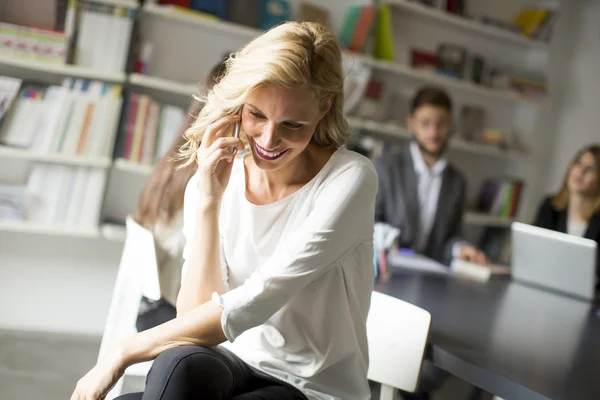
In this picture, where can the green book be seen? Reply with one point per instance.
(352, 15)
(384, 42)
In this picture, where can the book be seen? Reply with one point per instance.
(147, 129)
(472, 122)
(13, 202)
(244, 12)
(348, 27)
(9, 89)
(384, 42)
(64, 196)
(500, 197)
(451, 60)
(217, 8)
(273, 12)
(363, 29)
(103, 36)
(30, 43)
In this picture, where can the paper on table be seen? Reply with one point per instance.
(478, 272)
(416, 262)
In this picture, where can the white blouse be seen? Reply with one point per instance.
(576, 228)
(299, 276)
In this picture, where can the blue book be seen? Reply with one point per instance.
(215, 7)
(273, 12)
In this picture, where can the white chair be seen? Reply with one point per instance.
(137, 277)
(397, 333)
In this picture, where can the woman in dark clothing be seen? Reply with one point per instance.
(576, 208)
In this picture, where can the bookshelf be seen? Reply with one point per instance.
(19, 154)
(175, 89)
(466, 24)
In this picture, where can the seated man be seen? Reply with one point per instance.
(420, 193)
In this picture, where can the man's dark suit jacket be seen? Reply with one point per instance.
(398, 204)
(550, 218)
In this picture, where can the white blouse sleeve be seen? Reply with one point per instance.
(342, 217)
(190, 201)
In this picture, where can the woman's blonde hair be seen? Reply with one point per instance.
(560, 200)
(293, 54)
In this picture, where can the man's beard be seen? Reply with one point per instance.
(434, 154)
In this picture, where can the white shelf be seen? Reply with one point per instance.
(248, 32)
(50, 69)
(475, 218)
(100, 162)
(27, 227)
(132, 4)
(129, 166)
(113, 233)
(198, 19)
(163, 85)
(438, 79)
(466, 24)
(398, 134)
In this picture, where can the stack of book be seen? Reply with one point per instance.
(76, 118)
(147, 129)
(30, 43)
(61, 196)
(103, 36)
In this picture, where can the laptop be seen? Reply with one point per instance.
(554, 260)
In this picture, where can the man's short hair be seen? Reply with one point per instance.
(431, 96)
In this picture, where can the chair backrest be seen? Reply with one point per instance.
(397, 332)
(140, 251)
(137, 276)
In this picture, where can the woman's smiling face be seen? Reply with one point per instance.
(280, 123)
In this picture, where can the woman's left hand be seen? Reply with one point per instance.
(96, 383)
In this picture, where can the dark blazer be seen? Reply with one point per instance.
(550, 218)
(397, 204)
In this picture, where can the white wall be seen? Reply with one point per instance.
(578, 118)
(56, 284)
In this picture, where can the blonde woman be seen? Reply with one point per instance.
(278, 273)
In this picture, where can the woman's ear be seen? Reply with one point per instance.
(328, 105)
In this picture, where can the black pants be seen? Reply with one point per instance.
(198, 373)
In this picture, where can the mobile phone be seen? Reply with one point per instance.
(236, 131)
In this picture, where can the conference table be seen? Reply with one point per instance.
(509, 339)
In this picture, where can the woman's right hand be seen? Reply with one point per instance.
(215, 159)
